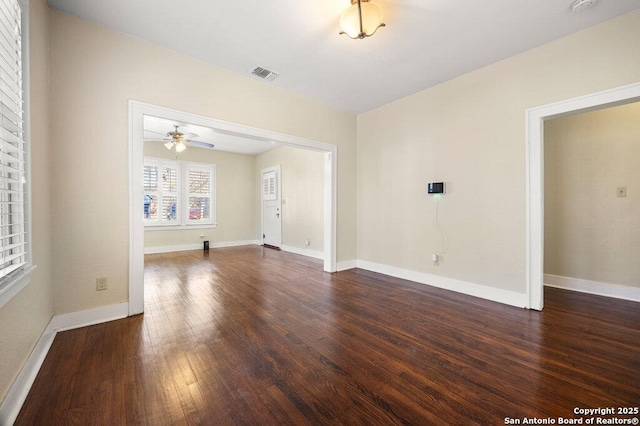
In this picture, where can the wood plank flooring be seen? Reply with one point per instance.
(251, 336)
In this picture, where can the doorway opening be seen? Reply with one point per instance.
(591, 226)
(271, 206)
(137, 113)
(535, 119)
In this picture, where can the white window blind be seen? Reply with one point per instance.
(161, 192)
(151, 193)
(169, 193)
(13, 229)
(200, 191)
(178, 193)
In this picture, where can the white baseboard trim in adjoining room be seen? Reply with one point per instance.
(304, 252)
(198, 246)
(477, 290)
(593, 287)
(347, 264)
(19, 390)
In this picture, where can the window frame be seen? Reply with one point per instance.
(183, 220)
(13, 283)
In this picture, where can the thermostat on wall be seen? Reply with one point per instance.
(436, 188)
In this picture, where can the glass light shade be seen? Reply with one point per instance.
(169, 145)
(180, 146)
(371, 20)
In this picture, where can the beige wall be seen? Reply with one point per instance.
(25, 317)
(470, 133)
(235, 198)
(95, 72)
(302, 195)
(590, 233)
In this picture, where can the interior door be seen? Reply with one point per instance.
(271, 207)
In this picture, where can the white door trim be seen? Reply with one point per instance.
(137, 111)
(534, 121)
(277, 169)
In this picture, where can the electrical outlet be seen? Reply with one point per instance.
(436, 259)
(101, 284)
(308, 242)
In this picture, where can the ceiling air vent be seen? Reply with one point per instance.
(264, 73)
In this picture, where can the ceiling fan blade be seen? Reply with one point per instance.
(156, 140)
(157, 133)
(201, 144)
(189, 135)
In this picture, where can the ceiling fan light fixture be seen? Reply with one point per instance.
(179, 140)
(180, 146)
(362, 19)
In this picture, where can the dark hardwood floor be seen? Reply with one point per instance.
(253, 336)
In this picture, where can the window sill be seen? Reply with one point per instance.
(180, 227)
(9, 289)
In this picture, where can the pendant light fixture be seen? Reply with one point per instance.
(361, 20)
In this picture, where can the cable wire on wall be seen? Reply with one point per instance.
(443, 248)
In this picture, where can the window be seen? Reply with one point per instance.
(14, 248)
(178, 193)
(199, 193)
(161, 192)
(269, 190)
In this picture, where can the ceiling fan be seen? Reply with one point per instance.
(180, 140)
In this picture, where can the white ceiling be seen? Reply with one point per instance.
(424, 43)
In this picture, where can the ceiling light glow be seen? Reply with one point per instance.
(361, 20)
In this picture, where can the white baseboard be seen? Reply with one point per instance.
(304, 252)
(593, 287)
(198, 246)
(21, 386)
(169, 249)
(347, 264)
(19, 390)
(482, 291)
(93, 316)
